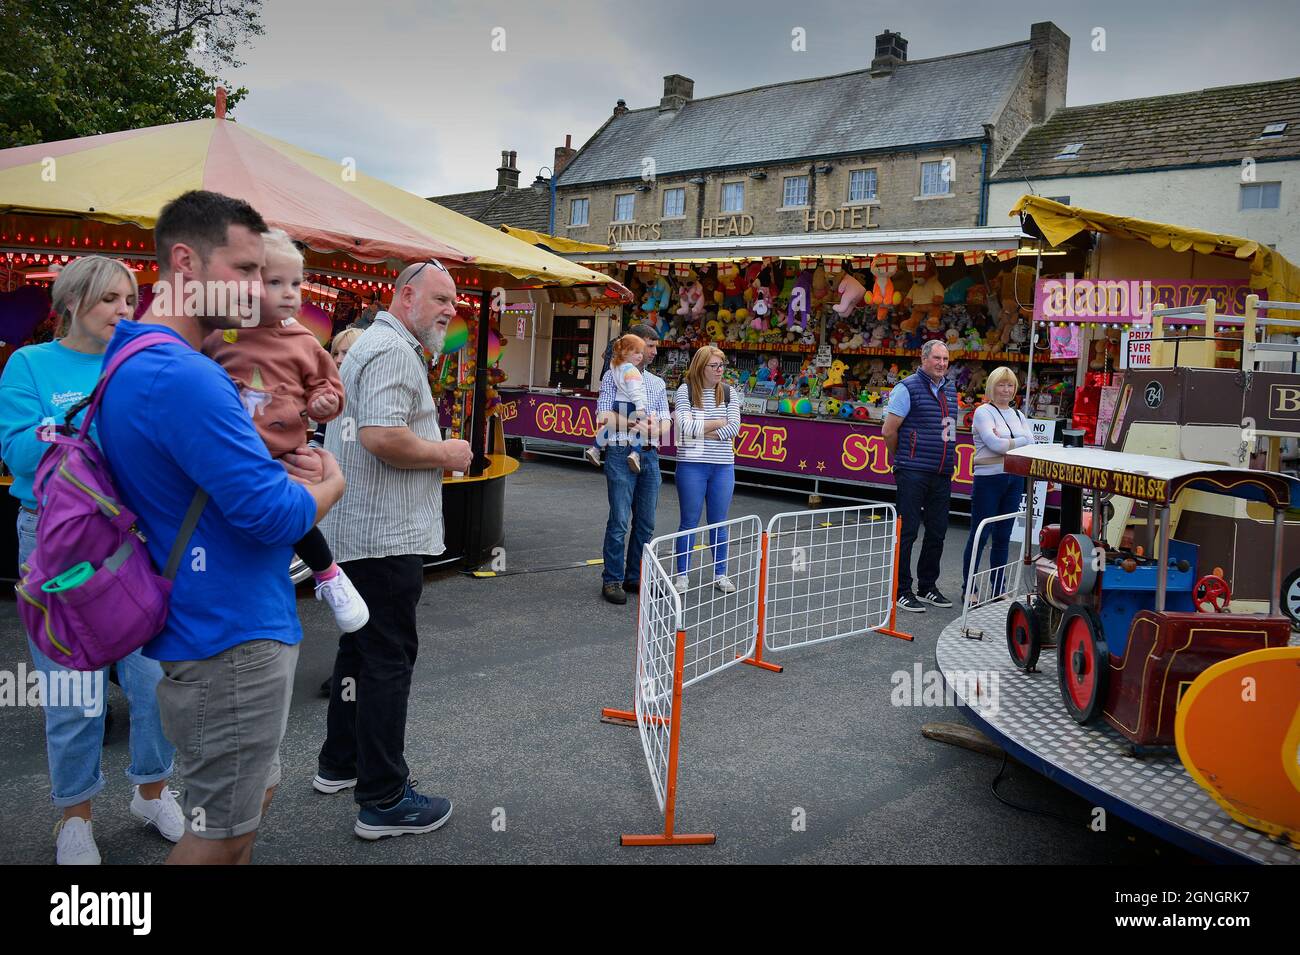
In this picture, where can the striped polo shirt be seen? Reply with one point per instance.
(689, 423)
(386, 511)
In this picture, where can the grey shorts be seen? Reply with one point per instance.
(226, 716)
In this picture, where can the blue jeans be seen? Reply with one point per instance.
(994, 494)
(609, 434)
(699, 484)
(632, 501)
(74, 734)
(924, 497)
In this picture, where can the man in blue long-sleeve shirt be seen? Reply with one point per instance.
(171, 423)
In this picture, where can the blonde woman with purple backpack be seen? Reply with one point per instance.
(40, 383)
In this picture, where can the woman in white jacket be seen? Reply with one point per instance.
(997, 428)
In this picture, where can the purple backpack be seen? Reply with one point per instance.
(89, 593)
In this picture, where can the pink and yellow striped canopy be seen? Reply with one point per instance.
(127, 177)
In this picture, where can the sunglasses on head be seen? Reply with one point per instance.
(434, 262)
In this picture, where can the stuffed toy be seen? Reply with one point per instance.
(852, 292)
(891, 376)
(808, 338)
(953, 341)
(956, 292)
(801, 300)
(709, 283)
(658, 294)
(973, 342)
(903, 281)
(752, 280)
(835, 374)
(713, 330)
(762, 306)
(876, 378)
(927, 295)
(932, 330)
(883, 295)
(1018, 338)
(691, 297)
(878, 334)
(978, 296)
(732, 289)
(912, 340)
(821, 288)
(855, 341)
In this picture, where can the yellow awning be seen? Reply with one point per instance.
(331, 205)
(1269, 270)
(552, 242)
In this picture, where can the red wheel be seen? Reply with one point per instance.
(1023, 639)
(1211, 594)
(1074, 567)
(1082, 663)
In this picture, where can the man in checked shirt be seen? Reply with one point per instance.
(632, 497)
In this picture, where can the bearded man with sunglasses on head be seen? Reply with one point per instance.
(390, 448)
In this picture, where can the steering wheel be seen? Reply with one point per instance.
(1211, 594)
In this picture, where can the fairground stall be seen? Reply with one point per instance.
(817, 329)
(102, 195)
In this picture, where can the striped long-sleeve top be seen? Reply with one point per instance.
(689, 421)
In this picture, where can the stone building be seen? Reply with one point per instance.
(903, 144)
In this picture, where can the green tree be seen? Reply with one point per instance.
(72, 68)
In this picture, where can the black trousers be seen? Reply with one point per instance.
(923, 498)
(366, 727)
(314, 551)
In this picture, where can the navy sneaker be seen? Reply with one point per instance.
(414, 813)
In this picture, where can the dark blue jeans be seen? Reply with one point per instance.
(924, 497)
(632, 501)
(994, 494)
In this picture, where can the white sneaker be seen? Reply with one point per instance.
(163, 813)
(681, 583)
(350, 611)
(76, 842)
(592, 454)
(724, 584)
(634, 462)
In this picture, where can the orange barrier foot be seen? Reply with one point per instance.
(896, 633)
(690, 839)
(764, 665)
(626, 718)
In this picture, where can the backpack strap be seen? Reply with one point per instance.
(183, 536)
(138, 344)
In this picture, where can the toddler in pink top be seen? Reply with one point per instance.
(283, 376)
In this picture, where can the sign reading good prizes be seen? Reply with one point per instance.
(1044, 432)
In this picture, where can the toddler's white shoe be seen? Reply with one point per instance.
(634, 462)
(350, 610)
(592, 454)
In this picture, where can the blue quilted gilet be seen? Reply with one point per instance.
(921, 444)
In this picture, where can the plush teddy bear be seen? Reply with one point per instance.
(1018, 338)
(691, 298)
(932, 329)
(761, 306)
(852, 292)
(883, 295)
(876, 378)
(658, 294)
(808, 338)
(713, 330)
(927, 295)
(878, 334)
(856, 340)
(821, 288)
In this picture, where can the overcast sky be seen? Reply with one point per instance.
(416, 94)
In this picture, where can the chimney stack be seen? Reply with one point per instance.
(620, 107)
(563, 155)
(678, 91)
(1051, 61)
(891, 51)
(507, 173)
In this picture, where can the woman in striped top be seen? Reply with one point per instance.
(706, 414)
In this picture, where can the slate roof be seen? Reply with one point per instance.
(526, 208)
(942, 99)
(1206, 127)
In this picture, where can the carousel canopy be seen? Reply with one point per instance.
(127, 177)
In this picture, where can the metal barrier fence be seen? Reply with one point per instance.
(830, 573)
(810, 576)
(997, 583)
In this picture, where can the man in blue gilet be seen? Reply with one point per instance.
(921, 435)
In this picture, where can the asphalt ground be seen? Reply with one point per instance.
(810, 765)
